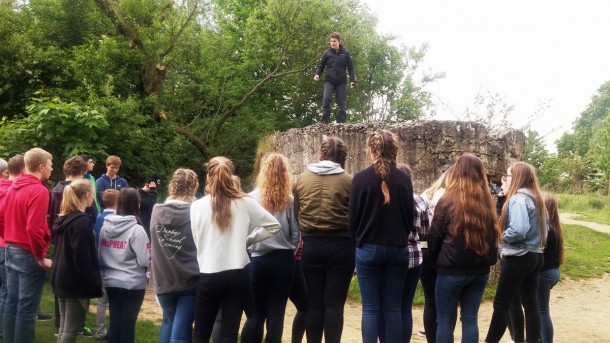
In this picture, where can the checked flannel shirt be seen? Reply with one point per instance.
(421, 224)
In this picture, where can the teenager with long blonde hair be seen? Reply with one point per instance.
(381, 211)
(463, 244)
(223, 224)
(524, 221)
(76, 275)
(272, 261)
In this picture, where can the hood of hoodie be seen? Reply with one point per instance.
(26, 180)
(325, 168)
(61, 223)
(115, 225)
(172, 213)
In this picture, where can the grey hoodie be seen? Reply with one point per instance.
(325, 167)
(124, 252)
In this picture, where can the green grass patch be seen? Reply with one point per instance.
(591, 207)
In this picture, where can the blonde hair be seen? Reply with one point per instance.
(74, 195)
(110, 198)
(113, 160)
(184, 183)
(441, 182)
(221, 187)
(275, 183)
(383, 145)
(524, 176)
(35, 157)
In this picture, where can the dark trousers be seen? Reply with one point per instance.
(298, 296)
(328, 265)
(270, 279)
(341, 94)
(518, 275)
(227, 289)
(124, 305)
(428, 283)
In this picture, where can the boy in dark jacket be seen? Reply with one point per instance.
(110, 180)
(335, 60)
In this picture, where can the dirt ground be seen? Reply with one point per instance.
(580, 312)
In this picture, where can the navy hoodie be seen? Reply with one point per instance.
(104, 182)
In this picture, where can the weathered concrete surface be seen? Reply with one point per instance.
(429, 147)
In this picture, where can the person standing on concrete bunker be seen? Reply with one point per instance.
(335, 59)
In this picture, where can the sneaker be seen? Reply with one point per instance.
(43, 317)
(99, 334)
(86, 332)
(422, 333)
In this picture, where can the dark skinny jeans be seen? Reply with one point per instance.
(271, 278)
(328, 265)
(124, 306)
(298, 296)
(518, 275)
(428, 283)
(227, 289)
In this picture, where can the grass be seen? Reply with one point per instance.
(591, 207)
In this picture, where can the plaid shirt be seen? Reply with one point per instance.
(421, 224)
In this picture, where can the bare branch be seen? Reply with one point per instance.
(196, 141)
(109, 8)
(176, 36)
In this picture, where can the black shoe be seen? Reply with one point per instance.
(43, 317)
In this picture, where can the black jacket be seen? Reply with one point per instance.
(335, 63)
(75, 271)
(449, 254)
(57, 195)
(147, 202)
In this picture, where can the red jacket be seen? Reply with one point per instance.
(4, 185)
(23, 216)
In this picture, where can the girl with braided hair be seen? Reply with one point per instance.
(381, 211)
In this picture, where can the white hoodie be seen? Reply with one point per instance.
(124, 253)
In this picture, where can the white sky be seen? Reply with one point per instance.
(526, 51)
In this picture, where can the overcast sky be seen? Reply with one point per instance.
(529, 52)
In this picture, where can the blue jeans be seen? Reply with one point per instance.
(547, 279)
(24, 281)
(124, 305)
(178, 316)
(467, 290)
(381, 270)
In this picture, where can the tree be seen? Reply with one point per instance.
(534, 152)
(599, 150)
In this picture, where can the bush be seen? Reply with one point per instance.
(595, 202)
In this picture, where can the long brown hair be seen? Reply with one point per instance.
(524, 176)
(551, 206)
(383, 146)
(473, 213)
(222, 188)
(275, 183)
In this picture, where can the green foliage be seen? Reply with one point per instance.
(586, 252)
(534, 152)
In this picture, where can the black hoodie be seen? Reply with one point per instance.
(75, 272)
(335, 63)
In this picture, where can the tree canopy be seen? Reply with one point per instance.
(171, 83)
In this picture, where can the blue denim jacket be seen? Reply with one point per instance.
(522, 231)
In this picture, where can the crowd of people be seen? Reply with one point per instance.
(211, 259)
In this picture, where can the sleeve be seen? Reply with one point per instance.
(195, 231)
(140, 244)
(37, 227)
(295, 232)
(518, 220)
(422, 221)
(350, 69)
(354, 212)
(260, 218)
(322, 64)
(100, 188)
(436, 235)
(2, 220)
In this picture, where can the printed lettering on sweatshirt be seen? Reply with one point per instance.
(170, 240)
(111, 243)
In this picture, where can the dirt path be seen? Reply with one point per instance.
(569, 218)
(580, 309)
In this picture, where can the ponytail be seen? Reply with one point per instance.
(383, 145)
(74, 195)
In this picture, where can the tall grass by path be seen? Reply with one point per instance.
(591, 207)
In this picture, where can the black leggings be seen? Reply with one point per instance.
(298, 296)
(428, 283)
(328, 265)
(227, 289)
(518, 275)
